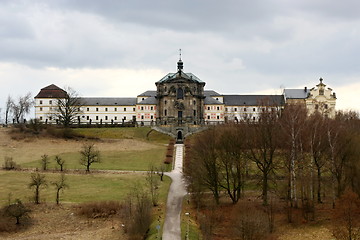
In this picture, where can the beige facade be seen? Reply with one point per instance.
(180, 99)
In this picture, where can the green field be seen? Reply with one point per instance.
(82, 187)
(139, 133)
(110, 160)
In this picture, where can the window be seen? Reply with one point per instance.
(321, 91)
(326, 106)
(226, 109)
(208, 108)
(124, 109)
(106, 117)
(87, 109)
(254, 118)
(41, 118)
(97, 117)
(142, 117)
(165, 112)
(263, 109)
(180, 93)
(115, 118)
(244, 109)
(208, 117)
(143, 99)
(254, 109)
(115, 109)
(151, 117)
(235, 109)
(194, 102)
(125, 118)
(40, 101)
(165, 102)
(217, 117)
(194, 113)
(97, 109)
(50, 102)
(87, 117)
(106, 109)
(217, 98)
(218, 108)
(142, 108)
(41, 109)
(151, 108)
(50, 118)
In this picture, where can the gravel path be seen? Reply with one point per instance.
(172, 230)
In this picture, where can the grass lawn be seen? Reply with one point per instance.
(140, 133)
(82, 187)
(111, 160)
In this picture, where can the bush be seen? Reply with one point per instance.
(10, 164)
(99, 209)
(252, 222)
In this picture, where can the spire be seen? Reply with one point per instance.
(180, 63)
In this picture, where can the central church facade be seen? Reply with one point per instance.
(180, 99)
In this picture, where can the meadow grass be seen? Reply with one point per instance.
(139, 133)
(82, 187)
(110, 160)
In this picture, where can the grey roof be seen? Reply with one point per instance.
(149, 93)
(148, 101)
(172, 76)
(296, 93)
(211, 101)
(211, 93)
(252, 100)
(88, 101)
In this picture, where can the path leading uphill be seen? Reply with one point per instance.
(172, 230)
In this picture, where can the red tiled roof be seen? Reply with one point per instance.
(51, 91)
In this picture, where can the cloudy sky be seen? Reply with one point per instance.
(121, 48)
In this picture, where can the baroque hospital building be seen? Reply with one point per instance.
(180, 99)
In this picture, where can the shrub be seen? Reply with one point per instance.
(252, 222)
(10, 164)
(99, 209)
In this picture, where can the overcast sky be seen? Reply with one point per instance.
(121, 48)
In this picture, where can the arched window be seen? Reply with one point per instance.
(180, 93)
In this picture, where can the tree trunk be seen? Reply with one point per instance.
(319, 185)
(57, 196)
(265, 188)
(37, 195)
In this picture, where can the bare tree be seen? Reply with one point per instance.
(293, 126)
(60, 162)
(8, 107)
(44, 161)
(68, 109)
(263, 143)
(17, 210)
(21, 107)
(231, 157)
(60, 185)
(318, 147)
(153, 183)
(37, 181)
(346, 219)
(89, 155)
(204, 168)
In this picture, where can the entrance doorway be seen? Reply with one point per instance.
(179, 138)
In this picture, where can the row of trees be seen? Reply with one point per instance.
(294, 153)
(18, 108)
